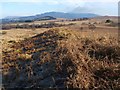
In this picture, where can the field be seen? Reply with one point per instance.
(79, 54)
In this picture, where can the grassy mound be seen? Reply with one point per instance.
(62, 58)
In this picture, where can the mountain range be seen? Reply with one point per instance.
(69, 15)
(48, 16)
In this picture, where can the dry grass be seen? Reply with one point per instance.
(63, 58)
(3, 32)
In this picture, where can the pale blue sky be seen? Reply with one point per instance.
(33, 7)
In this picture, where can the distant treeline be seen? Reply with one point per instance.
(79, 19)
(33, 26)
(26, 19)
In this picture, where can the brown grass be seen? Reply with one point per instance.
(63, 58)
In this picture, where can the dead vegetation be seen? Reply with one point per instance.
(3, 32)
(34, 26)
(63, 58)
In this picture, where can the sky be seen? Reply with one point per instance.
(33, 7)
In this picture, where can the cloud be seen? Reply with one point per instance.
(67, 2)
(73, 2)
(82, 10)
(93, 6)
(21, 1)
(100, 0)
(101, 8)
(58, 1)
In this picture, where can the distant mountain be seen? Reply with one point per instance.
(48, 16)
(26, 19)
(69, 15)
(11, 17)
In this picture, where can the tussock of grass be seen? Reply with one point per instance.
(3, 32)
(63, 58)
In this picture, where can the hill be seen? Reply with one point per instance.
(62, 58)
(48, 16)
(69, 15)
(26, 19)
